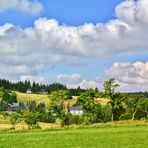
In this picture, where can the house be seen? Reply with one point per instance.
(75, 110)
(15, 107)
(29, 91)
(43, 91)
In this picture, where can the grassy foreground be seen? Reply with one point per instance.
(104, 137)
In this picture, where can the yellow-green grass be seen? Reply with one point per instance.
(6, 125)
(24, 97)
(96, 137)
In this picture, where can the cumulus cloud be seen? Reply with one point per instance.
(32, 50)
(75, 80)
(70, 80)
(31, 7)
(132, 76)
(37, 79)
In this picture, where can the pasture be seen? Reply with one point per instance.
(127, 136)
(24, 97)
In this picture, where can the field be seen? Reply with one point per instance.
(103, 137)
(23, 97)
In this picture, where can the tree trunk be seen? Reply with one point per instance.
(112, 118)
(133, 116)
(146, 113)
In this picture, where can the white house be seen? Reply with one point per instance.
(75, 110)
(15, 104)
(29, 91)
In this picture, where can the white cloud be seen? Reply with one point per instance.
(75, 80)
(132, 76)
(31, 7)
(37, 79)
(33, 50)
(71, 80)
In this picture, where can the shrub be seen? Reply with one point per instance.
(125, 116)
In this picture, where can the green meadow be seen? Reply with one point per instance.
(126, 136)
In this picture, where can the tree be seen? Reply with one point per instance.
(13, 97)
(87, 101)
(144, 105)
(117, 100)
(57, 102)
(137, 104)
(134, 106)
(92, 109)
(41, 108)
(14, 119)
(31, 119)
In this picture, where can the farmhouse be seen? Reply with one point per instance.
(43, 91)
(15, 106)
(29, 91)
(75, 110)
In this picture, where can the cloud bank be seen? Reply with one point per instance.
(31, 7)
(131, 76)
(32, 50)
(71, 80)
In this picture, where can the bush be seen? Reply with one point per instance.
(76, 119)
(31, 119)
(125, 116)
(47, 117)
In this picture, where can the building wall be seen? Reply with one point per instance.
(76, 112)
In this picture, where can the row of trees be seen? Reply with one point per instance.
(119, 107)
(23, 86)
(36, 87)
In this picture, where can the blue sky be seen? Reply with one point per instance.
(99, 41)
(73, 12)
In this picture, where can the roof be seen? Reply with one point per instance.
(16, 108)
(15, 104)
(29, 89)
(75, 108)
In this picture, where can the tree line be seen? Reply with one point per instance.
(23, 86)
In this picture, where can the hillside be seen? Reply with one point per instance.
(23, 97)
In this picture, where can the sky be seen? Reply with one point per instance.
(77, 43)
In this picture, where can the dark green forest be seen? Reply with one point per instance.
(37, 87)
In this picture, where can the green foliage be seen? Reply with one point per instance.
(110, 88)
(47, 117)
(125, 116)
(41, 108)
(8, 97)
(57, 104)
(87, 101)
(117, 100)
(31, 119)
(134, 105)
(106, 114)
(14, 119)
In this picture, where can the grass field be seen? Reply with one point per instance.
(101, 137)
(23, 97)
